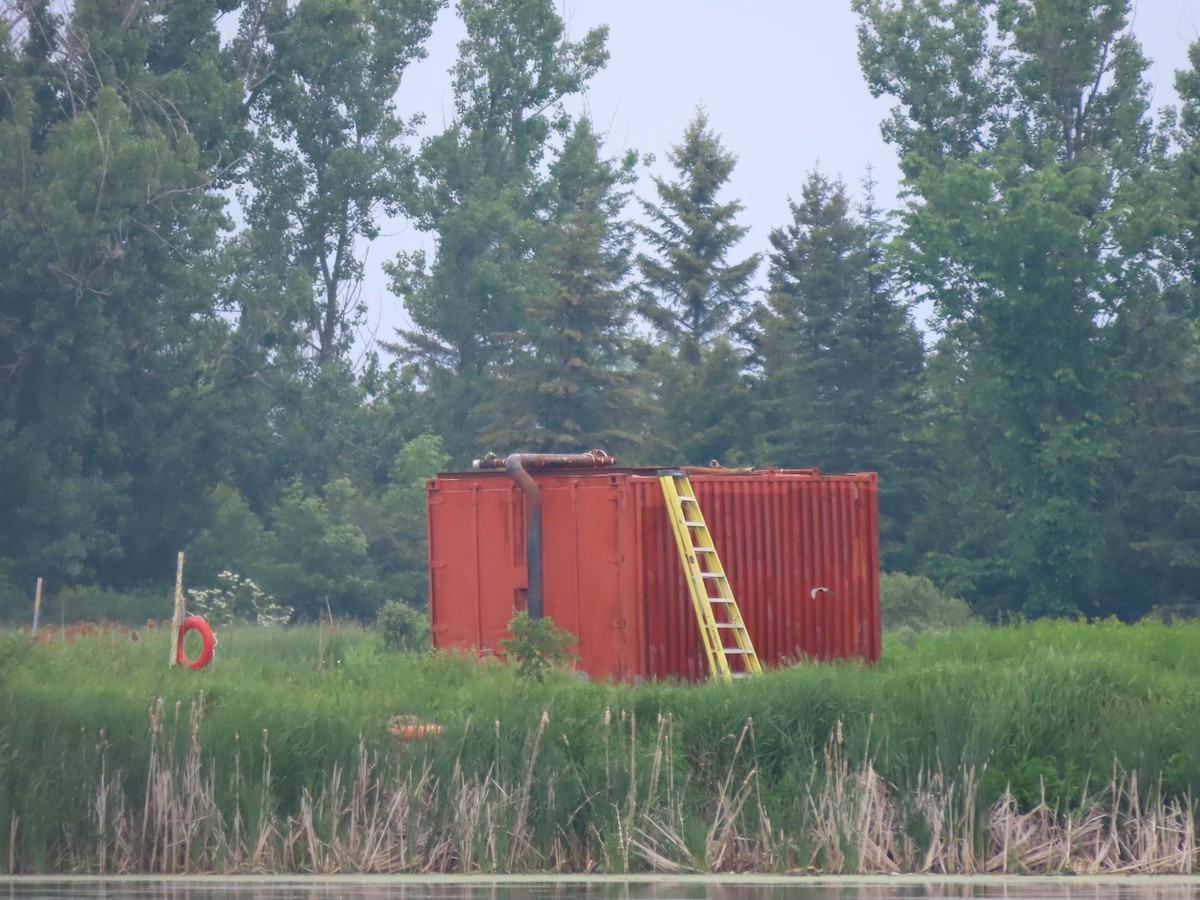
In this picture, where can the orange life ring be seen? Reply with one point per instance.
(206, 636)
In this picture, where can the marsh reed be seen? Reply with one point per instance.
(1063, 749)
(397, 815)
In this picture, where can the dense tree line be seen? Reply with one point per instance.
(187, 191)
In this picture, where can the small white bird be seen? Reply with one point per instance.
(819, 590)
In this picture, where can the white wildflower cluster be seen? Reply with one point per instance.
(239, 599)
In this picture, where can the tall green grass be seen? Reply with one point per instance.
(1048, 746)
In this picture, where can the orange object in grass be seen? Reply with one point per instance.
(410, 728)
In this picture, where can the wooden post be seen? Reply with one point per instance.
(37, 605)
(177, 615)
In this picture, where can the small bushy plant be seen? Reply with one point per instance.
(402, 627)
(914, 602)
(538, 645)
(237, 599)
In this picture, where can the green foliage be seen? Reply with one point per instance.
(233, 540)
(538, 646)
(87, 603)
(237, 599)
(402, 627)
(1034, 781)
(571, 383)
(1054, 704)
(691, 291)
(319, 553)
(483, 191)
(914, 603)
(397, 527)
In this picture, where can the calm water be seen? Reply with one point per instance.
(701, 888)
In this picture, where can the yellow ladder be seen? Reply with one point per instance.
(721, 626)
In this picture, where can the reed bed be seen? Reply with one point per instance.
(1048, 748)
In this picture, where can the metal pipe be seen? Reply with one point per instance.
(515, 464)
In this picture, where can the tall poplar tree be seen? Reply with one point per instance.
(482, 193)
(327, 164)
(1016, 122)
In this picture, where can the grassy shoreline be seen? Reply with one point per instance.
(1047, 747)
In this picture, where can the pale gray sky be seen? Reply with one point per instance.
(779, 79)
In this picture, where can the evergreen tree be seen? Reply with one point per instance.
(483, 193)
(571, 384)
(691, 292)
(841, 358)
(698, 302)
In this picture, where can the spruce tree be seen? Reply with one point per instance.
(571, 384)
(691, 291)
(697, 299)
(841, 358)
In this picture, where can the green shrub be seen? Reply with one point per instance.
(538, 645)
(402, 627)
(914, 602)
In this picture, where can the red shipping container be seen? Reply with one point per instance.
(800, 549)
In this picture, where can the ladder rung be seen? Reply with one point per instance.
(705, 549)
(711, 575)
(690, 523)
(720, 600)
(730, 625)
(736, 651)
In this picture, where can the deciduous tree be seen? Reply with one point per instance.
(327, 161)
(1016, 122)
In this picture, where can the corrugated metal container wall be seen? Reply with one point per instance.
(800, 550)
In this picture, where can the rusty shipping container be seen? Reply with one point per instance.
(800, 550)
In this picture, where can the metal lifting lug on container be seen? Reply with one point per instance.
(726, 638)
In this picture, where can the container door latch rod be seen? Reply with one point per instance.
(726, 641)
